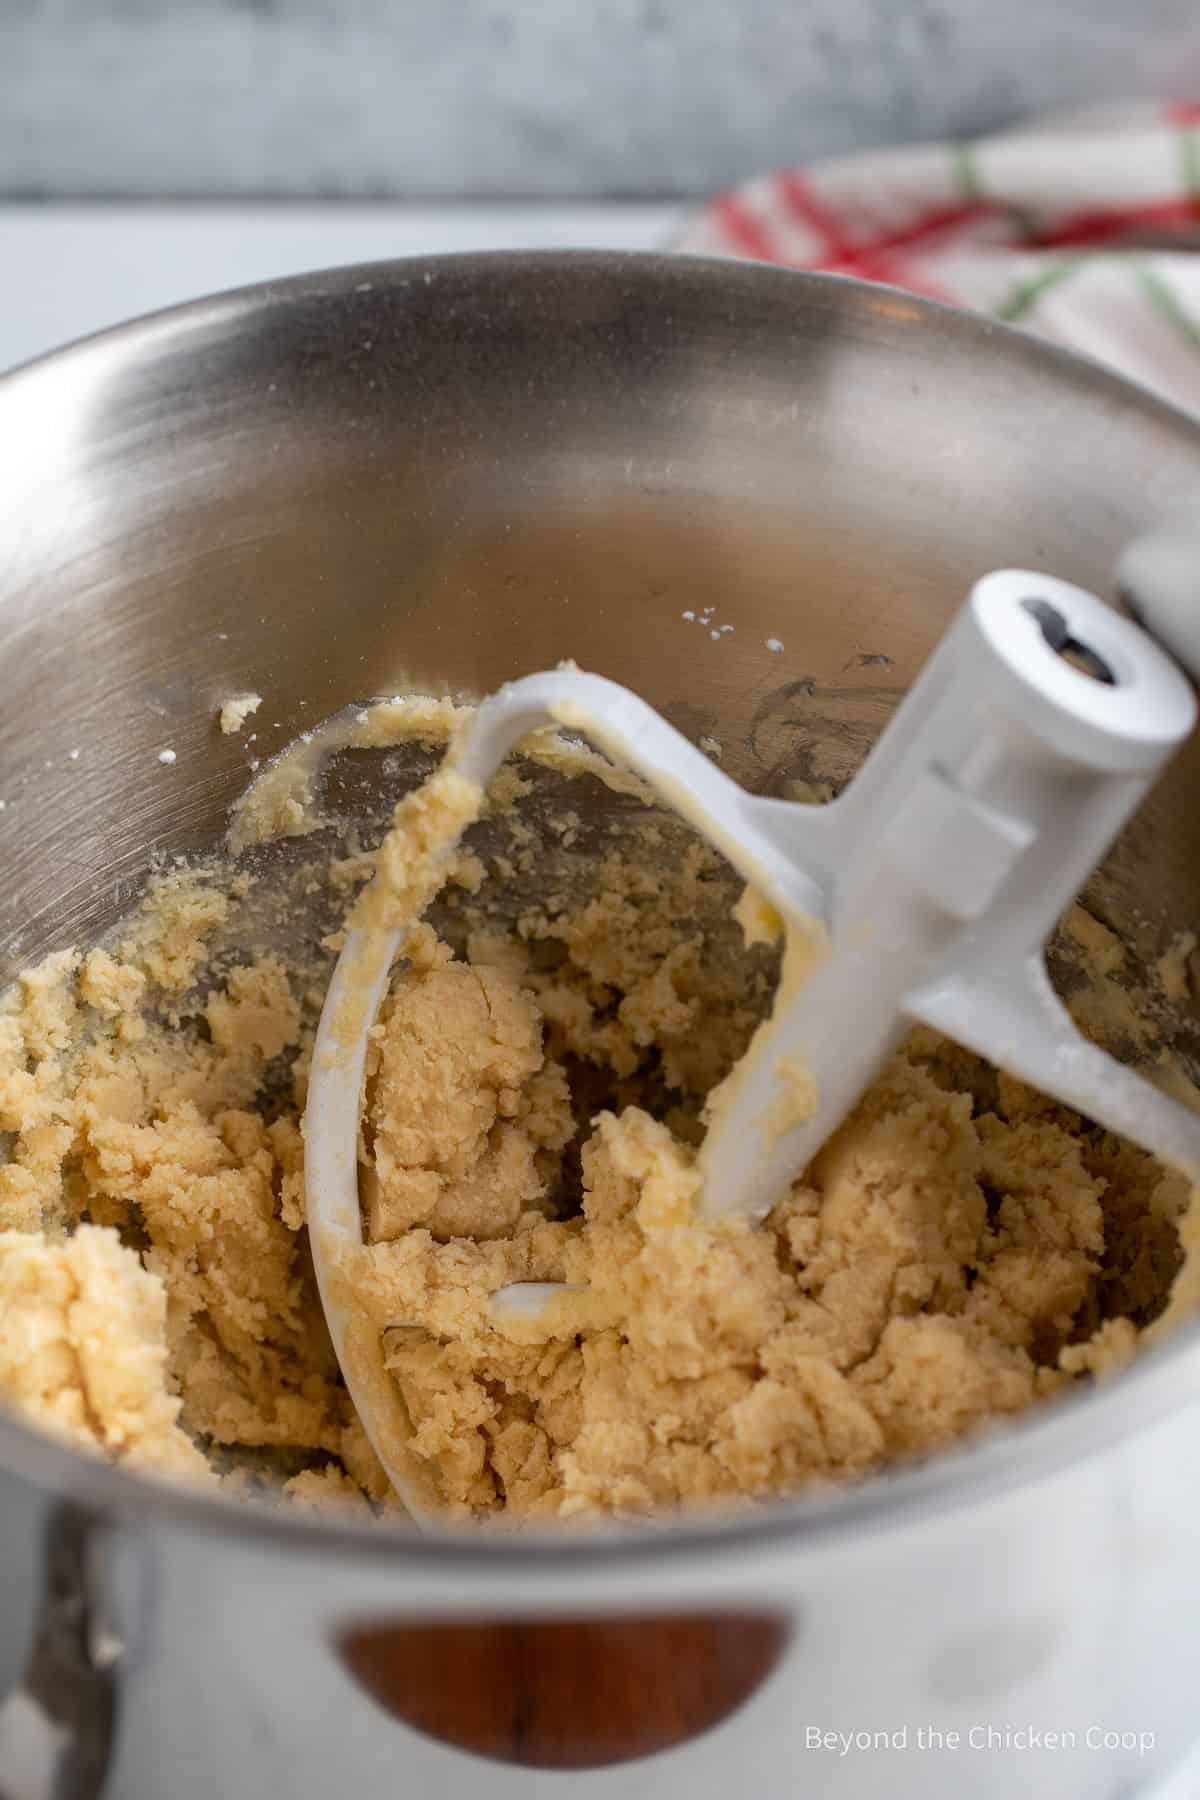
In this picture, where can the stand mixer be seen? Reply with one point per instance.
(924, 894)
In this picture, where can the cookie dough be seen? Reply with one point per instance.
(235, 712)
(938, 1267)
(959, 1250)
(83, 1347)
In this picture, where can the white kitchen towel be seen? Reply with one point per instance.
(1083, 228)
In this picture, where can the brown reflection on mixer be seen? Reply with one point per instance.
(567, 1693)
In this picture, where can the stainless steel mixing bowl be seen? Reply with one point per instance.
(440, 475)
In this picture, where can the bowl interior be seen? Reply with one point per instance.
(438, 477)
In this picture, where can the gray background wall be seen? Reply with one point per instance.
(535, 97)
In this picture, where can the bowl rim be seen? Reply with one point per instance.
(1041, 1443)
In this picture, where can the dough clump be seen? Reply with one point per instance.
(235, 712)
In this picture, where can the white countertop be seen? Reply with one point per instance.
(70, 270)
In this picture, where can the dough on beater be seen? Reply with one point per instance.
(467, 1114)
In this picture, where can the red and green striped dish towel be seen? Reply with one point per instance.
(1084, 228)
